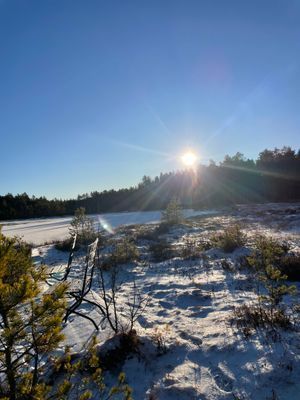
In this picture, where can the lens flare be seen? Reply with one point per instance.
(105, 225)
(189, 159)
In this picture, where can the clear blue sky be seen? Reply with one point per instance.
(95, 94)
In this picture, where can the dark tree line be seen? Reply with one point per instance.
(274, 176)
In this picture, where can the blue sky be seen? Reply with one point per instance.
(95, 94)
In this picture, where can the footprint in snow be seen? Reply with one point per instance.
(222, 381)
(194, 339)
(166, 305)
(144, 322)
(162, 313)
(159, 295)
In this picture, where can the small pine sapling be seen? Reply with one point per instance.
(83, 227)
(172, 215)
(266, 261)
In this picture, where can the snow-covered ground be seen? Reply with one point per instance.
(42, 230)
(191, 307)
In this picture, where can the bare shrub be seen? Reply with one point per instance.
(135, 305)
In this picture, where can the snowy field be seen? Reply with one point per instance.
(42, 230)
(204, 356)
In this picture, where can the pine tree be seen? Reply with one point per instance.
(82, 226)
(172, 215)
(30, 323)
(30, 329)
(266, 263)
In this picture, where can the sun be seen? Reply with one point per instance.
(189, 159)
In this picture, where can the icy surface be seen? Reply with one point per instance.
(42, 230)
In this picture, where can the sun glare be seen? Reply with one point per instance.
(189, 159)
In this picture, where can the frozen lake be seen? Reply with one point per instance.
(41, 230)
